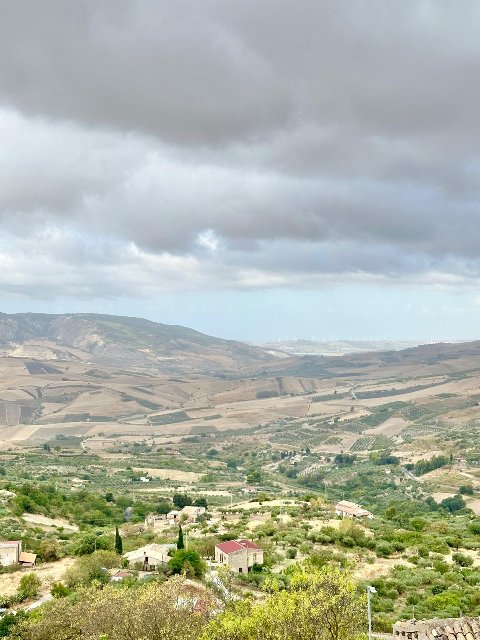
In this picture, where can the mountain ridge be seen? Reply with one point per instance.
(123, 340)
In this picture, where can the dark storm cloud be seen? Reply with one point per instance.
(247, 144)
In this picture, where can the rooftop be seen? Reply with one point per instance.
(438, 629)
(231, 546)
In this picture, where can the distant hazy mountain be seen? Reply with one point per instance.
(121, 341)
(337, 347)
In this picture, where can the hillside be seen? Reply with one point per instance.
(121, 341)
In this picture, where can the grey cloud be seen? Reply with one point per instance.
(244, 144)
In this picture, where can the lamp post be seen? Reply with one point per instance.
(369, 591)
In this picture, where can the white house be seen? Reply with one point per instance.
(192, 512)
(149, 556)
(347, 509)
(11, 553)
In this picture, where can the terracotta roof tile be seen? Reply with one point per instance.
(439, 629)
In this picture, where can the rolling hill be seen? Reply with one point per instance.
(119, 341)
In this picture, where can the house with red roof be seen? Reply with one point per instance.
(238, 555)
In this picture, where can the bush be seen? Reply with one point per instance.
(383, 549)
(59, 590)
(291, 553)
(89, 568)
(462, 560)
(30, 583)
(466, 490)
(456, 503)
(152, 610)
(188, 562)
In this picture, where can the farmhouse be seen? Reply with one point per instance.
(173, 516)
(347, 509)
(238, 555)
(148, 557)
(249, 489)
(192, 512)
(435, 629)
(11, 553)
(122, 574)
(155, 520)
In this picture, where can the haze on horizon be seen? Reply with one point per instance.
(251, 170)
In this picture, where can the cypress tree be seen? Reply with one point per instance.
(118, 542)
(180, 543)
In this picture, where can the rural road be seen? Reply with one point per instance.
(39, 602)
(409, 474)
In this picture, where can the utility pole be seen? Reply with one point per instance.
(369, 591)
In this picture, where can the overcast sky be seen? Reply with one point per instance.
(256, 169)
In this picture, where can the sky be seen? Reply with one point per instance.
(257, 170)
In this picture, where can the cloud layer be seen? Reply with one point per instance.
(161, 146)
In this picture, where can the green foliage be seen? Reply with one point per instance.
(181, 500)
(344, 459)
(320, 604)
(424, 466)
(118, 542)
(91, 542)
(466, 490)
(455, 503)
(29, 585)
(152, 610)
(187, 562)
(180, 543)
(91, 567)
(462, 559)
(9, 622)
(59, 590)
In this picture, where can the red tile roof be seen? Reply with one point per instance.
(230, 547)
(236, 545)
(248, 544)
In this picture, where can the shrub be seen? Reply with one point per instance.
(30, 583)
(462, 560)
(59, 590)
(188, 562)
(383, 549)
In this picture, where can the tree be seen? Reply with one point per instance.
(163, 507)
(154, 610)
(181, 500)
(180, 543)
(177, 563)
(89, 543)
(49, 550)
(321, 604)
(91, 567)
(118, 542)
(455, 503)
(254, 477)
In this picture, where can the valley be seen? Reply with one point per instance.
(271, 444)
